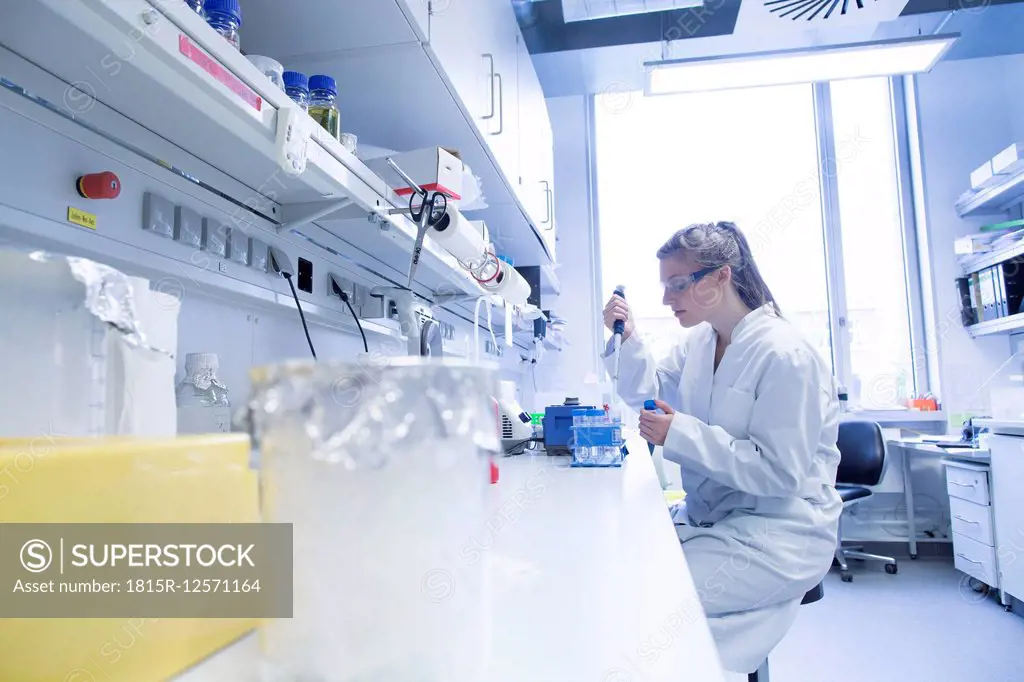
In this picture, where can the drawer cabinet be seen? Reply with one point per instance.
(971, 518)
(975, 559)
(968, 484)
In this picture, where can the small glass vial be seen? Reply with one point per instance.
(271, 68)
(323, 93)
(196, 5)
(297, 86)
(225, 16)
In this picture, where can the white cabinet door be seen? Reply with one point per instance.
(505, 130)
(546, 158)
(418, 13)
(536, 188)
(531, 189)
(463, 37)
(475, 43)
(1008, 511)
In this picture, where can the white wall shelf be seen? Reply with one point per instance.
(996, 199)
(1001, 325)
(986, 260)
(223, 114)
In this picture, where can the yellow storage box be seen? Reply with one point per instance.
(202, 479)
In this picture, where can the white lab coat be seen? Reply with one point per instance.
(756, 443)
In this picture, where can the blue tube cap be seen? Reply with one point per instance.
(229, 8)
(323, 83)
(649, 405)
(294, 79)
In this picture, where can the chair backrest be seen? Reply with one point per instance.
(862, 453)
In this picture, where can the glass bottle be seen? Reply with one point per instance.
(196, 5)
(297, 86)
(225, 17)
(202, 400)
(323, 93)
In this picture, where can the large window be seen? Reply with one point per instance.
(755, 157)
(877, 319)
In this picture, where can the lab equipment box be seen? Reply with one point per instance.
(434, 169)
(558, 426)
(1010, 160)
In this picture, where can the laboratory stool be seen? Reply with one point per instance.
(862, 463)
(813, 595)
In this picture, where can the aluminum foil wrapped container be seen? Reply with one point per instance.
(383, 469)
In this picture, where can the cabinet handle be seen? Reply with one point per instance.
(960, 518)
(963, 485)
(490, 58)
(501, 105)
(547, 201)
(971, 560)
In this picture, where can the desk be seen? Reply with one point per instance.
(914, 446)
(589, 581)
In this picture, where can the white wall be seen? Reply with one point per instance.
(579, 304)
(247, 337)
(969, 110)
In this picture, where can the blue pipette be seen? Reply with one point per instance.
(618, 329)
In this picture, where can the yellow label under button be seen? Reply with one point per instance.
(81, 218)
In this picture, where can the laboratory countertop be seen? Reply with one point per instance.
(1002, 426)
(590, 582)
(924, 447)
(914, 420)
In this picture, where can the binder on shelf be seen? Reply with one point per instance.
(1002, 309)
(975, 286)
(986, 279)
(968, 313)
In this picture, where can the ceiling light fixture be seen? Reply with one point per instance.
(583, 10)
(828, 63)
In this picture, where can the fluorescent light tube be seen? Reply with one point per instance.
(839, 62)
(583, 10)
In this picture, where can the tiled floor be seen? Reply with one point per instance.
(924, 624)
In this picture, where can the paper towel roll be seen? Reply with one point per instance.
(511, 286)
(460, 238)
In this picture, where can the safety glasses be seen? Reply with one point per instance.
(680, 283)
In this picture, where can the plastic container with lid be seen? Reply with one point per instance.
(225, 16)
(580, 419)
(297, 86)
(323, 107)
(418, 492)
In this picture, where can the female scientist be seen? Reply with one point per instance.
(749, 412)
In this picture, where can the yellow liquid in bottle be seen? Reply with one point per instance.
(329, 118)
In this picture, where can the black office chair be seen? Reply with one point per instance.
(813, 595)
(862, 463)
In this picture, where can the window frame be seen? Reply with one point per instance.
(839, 336)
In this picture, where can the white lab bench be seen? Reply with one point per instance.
(591, 583)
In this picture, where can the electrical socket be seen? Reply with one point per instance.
(346, 285)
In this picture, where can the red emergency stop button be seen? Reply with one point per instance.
(99, 186)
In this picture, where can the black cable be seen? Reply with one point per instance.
(302, 316)
(340, 293)
(344, 297)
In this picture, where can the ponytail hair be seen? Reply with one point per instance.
(719, 244)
